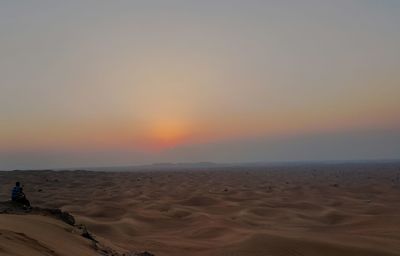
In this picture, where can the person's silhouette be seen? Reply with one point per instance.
(18, 195)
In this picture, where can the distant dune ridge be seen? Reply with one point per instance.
(305, 209)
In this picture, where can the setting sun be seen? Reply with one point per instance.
(167, 133)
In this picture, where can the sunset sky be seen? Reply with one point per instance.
(105, 83)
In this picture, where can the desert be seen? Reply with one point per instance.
(277, 210)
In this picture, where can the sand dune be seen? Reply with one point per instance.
(313, 210)
(40, 235)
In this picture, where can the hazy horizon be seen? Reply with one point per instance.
(198, 166)
(105, 83)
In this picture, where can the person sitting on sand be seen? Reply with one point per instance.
(18, 195)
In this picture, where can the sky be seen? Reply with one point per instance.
(106, 83)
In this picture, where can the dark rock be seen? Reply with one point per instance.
(85, 233)
(57, 213)
(11, 207)
(144, 254)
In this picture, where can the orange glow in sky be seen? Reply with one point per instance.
(149, 78)
(166, 133)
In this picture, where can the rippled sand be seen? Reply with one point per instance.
(342, 209)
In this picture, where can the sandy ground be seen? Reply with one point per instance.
(39, 235)
(313, 210)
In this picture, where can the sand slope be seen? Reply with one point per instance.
(277, 211)
(40, 235)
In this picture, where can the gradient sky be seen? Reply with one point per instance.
(97, 83)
